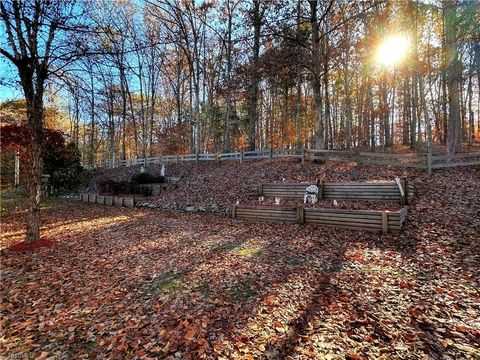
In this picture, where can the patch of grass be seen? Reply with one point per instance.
(90, 345)
(247, 251)
(227, 246)
(52, 203)
(12, 197)
(165, 283)
(17, 198)
(203, 289)
(242, 290)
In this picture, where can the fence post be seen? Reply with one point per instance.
(17, 168)
(241, 156)
(303, 154)
(320, 191)
(176, 158)
(196, 157)
(405, 191)
(260, 189)
(429, 163)
(300, 215)
(234, 211)
(271, 154)
(408, 194)
(385, 222)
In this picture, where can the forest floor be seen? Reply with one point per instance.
(137, 283)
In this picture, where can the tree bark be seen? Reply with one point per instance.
(316, 80)
(35, 123)
(453, 77)
(253, 92)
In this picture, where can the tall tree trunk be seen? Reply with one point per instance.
(413, 124)
(91, 152)
(143, 122)
(298, 85)
(316, 80)
(285, 139)
(348, 103)
(407, 111)
(253, 92)
(123, 92)
(35, 162)
(385, 113)
(134, 121)
(326, 79)
(427, 120)
(453, 77)
(371, 117)
(227, 147)
(298, 109)
(471, 117)
(416, 75)
(152, 112)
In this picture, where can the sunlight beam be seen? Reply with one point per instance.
(392, 50)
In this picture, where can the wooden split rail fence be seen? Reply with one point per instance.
(372, 220)
(426, 161)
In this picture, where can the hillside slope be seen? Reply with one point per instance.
(212, 186)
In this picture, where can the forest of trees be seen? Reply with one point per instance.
(168, 77)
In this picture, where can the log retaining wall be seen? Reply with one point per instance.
(367, 191)
(373, 220)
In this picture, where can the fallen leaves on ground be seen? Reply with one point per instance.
(214, 186)
(135, 283)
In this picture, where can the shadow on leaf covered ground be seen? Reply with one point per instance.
(148, 284)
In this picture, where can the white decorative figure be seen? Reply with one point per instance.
(335, 202)
(162, 170)
(142, 169)
(311, 193)
(261, 198)
(237, 202)
(277, 200)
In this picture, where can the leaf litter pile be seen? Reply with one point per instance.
(135, 283)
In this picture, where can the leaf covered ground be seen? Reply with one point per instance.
(136, 283)
(214, 186)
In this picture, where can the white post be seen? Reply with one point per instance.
(400, 187)
(17, 169)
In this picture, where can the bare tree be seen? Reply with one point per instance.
(32, 28)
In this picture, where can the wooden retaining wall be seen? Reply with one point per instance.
(155, 188)
(283, 214)
(369, 191)
(385, 221)
(108, 200)
(373, 220)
